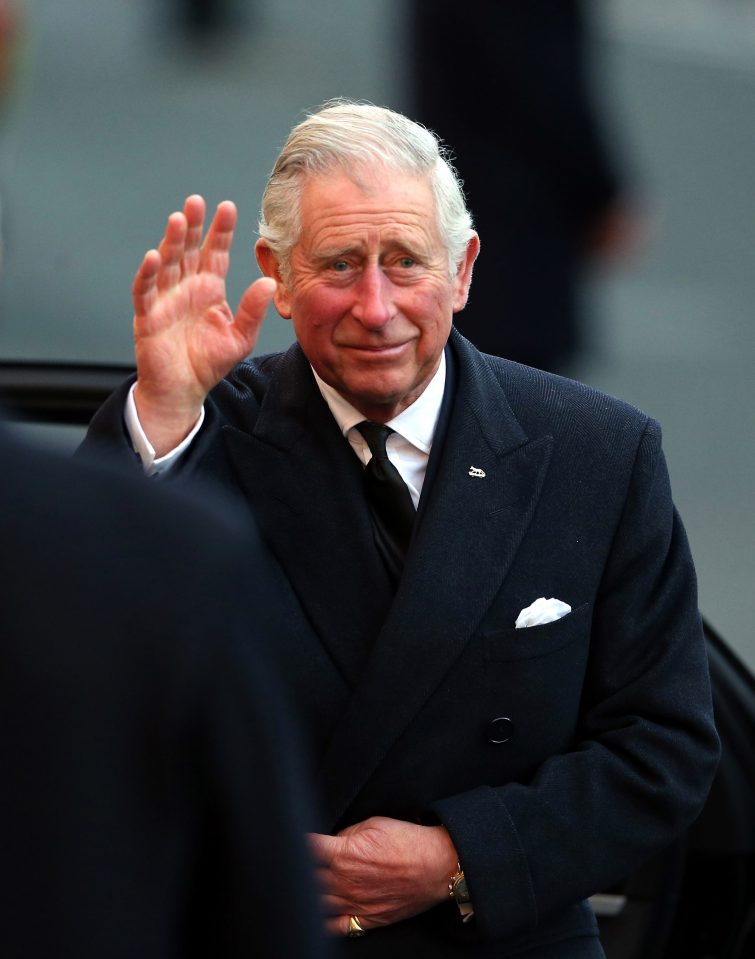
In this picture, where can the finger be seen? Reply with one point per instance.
(171, 251)
(214, 255)
(323, 847)
(338, 906)
(326, 881)
(194, 211)
(144, 287)
(250, 315)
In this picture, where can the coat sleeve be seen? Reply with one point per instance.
(646, 750)
(107, 437)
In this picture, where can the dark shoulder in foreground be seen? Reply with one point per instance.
(90, 499)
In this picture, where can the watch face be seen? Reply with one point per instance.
(461, 893)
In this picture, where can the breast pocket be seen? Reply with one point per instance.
(530, 642)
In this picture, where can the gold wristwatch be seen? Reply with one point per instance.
(458, 890)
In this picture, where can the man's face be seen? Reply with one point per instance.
(370, 294)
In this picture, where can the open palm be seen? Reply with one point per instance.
(186, 336)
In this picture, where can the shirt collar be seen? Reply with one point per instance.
(416, 423)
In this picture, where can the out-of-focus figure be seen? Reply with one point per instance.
(11, 18)
(150, 803)
(507, 85)
(206, 21)
(10, 22)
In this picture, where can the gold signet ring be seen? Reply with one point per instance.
(355, 927)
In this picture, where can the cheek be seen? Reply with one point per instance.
(434, 315)
(320, 308)
(315, 320)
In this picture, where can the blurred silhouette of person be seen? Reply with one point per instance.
(11, 28)
(207, 21)
(543, 187)
(150, 798)
(11, 15)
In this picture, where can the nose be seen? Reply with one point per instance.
(373, 305)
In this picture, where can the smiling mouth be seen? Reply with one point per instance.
(376, 348)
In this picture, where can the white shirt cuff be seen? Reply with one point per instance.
(153, 465)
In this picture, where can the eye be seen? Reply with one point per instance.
(406, 262)
(340, 266)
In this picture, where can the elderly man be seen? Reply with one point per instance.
(479, 780)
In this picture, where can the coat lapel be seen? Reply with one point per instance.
(470, 527)
(305, 485)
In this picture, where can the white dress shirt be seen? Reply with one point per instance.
(408, 447)
(153, 465)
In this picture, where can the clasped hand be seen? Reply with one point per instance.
(186, 336)
(382, 870)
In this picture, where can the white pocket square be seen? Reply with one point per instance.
(542, 611)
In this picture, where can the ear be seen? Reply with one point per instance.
(268, 263)
(463, 278)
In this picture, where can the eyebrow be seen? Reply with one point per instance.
(336, 252)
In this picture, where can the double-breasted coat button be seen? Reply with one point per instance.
(500, 730)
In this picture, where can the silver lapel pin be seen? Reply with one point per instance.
(476, 471)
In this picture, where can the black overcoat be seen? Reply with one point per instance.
(560, 756)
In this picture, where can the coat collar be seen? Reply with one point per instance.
(305, 485)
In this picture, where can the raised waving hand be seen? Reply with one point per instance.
(186, 336)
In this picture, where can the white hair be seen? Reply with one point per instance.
(352, 137)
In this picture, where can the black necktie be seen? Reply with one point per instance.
(390, 501)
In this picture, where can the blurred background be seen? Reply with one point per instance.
(113, 112)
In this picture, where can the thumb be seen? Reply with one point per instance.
(252, 309)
